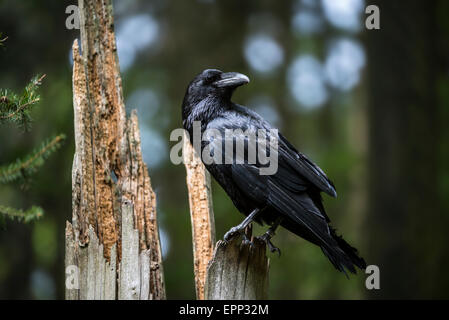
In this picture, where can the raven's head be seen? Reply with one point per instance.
(212, 84)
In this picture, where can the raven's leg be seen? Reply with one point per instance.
(240, 229)
(269, 234)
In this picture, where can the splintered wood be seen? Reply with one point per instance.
(238, 271)
(201, 214)
(113, 239)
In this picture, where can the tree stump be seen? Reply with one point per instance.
(112, 245)
(238, 271)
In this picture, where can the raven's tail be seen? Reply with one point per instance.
(343, 255)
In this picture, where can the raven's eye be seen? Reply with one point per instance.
(211, 77)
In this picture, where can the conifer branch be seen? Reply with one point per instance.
(21, 169)
(16, 108)
(31, 214)
(20, 108)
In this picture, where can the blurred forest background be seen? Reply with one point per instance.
(371, 107)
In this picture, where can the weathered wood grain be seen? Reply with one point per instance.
(238, 271)
(201, 214)
(113, 239)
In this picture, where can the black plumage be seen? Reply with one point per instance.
(289, 197)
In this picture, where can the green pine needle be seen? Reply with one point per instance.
(31, 214)
(21, 169)
(16, 108)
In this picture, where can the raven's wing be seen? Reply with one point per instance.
(286, 184)
(304, 216)
(297, 206)
(289, 191)
(302, 165)
(300, 210)
(296, 161)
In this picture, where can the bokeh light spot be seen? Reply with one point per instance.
(263, 53)
(134, 34)
(344, 14)
(306, 82)
(344, 62)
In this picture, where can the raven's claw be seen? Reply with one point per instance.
(266, 237)
(234, 231)
(240, 229)
(273, 248)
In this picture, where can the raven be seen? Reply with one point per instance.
(291, 197)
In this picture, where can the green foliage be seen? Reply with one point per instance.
(16, 108)
(22, 169)
(31, 214)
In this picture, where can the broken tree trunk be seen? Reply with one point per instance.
(113, 240)
(235, 270)
(238, 271)
(201, 215)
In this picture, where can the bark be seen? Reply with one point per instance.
(238, 271)
(113, 238)
(201, 214)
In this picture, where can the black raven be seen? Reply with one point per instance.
(289, 197)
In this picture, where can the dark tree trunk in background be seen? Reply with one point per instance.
(406, 224)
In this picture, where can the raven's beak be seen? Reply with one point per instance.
(231, 79)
